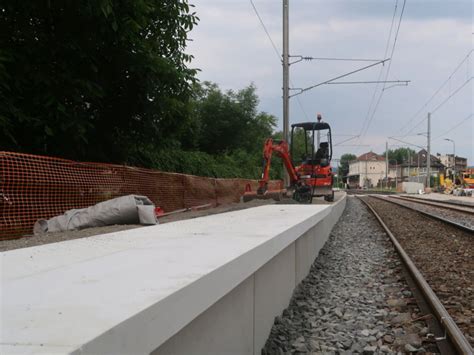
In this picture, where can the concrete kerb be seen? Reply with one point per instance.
(218, 296)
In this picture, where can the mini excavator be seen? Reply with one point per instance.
(313, 177)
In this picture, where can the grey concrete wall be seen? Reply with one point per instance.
(240, 322)
(274, 285)
(225, 328)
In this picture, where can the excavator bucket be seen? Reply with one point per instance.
(250, 195)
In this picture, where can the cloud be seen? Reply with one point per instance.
(232, 49)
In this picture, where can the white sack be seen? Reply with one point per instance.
(131, 209)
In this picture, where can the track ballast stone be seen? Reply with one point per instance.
(355, 298)
(455, 216)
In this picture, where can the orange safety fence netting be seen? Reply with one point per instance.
(36, 187)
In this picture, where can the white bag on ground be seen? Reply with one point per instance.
(130, 209)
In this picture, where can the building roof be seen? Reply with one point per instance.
(370, 156)
(420, 159)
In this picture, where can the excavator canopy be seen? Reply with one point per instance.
(311, 126)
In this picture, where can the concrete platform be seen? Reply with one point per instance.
(207, 285)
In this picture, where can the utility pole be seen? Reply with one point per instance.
(386, 164)
(454, 158)
(428, 158)
(286, 80)
(409, 162)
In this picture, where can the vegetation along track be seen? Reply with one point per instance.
(441, 252)
(462, 217)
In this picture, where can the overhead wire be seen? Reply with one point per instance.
(411, 118)
(454, 127)
(439, 106)
(345, 140)
(276, 51)
(455, 92)
(388, 69)
(305, 58)
(302, 90)
(266, 31)
(381, 71)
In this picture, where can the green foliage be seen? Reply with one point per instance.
(400, 154)
(214, 142)
(237, 164)
(92, 79)
(227, 121)
(109, 80)
(344, 165)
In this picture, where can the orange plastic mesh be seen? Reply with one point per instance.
(36, 187)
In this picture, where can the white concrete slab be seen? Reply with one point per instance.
(130, 291)
(225, 328)
(274, 285)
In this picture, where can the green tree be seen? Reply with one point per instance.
(214, 140)
(400, 154)
(344, 165)
(94, 79)
(227, 121)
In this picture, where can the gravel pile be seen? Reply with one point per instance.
(355, 299)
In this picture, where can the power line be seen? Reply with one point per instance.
(276, 51)
(337, 77)
(450, 96)
(345, 140)
(399, 140)
(388, 69)
(380, 73)
(453, 128)
(438, 107)
(266, 31)
(370, 82)
(301, 106)
(410, 120)
(305, 58)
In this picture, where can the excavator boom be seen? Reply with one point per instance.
(281, 149)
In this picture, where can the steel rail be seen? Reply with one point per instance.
(455, 335)
(433, 216)
(452, 207)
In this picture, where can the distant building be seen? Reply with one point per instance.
(416, 169)
(368, 170)
(448, 161)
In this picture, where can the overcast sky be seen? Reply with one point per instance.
(232, 49)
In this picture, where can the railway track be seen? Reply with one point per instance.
(444, 202)
(446, 205)
(461, 218)
(438, 261)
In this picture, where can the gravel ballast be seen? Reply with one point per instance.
(462, 218)
(442, 253)
(355, 298)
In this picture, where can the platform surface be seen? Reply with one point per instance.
(136, 288)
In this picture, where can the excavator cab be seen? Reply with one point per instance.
(314, 171)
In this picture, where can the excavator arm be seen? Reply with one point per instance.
(280, 148)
